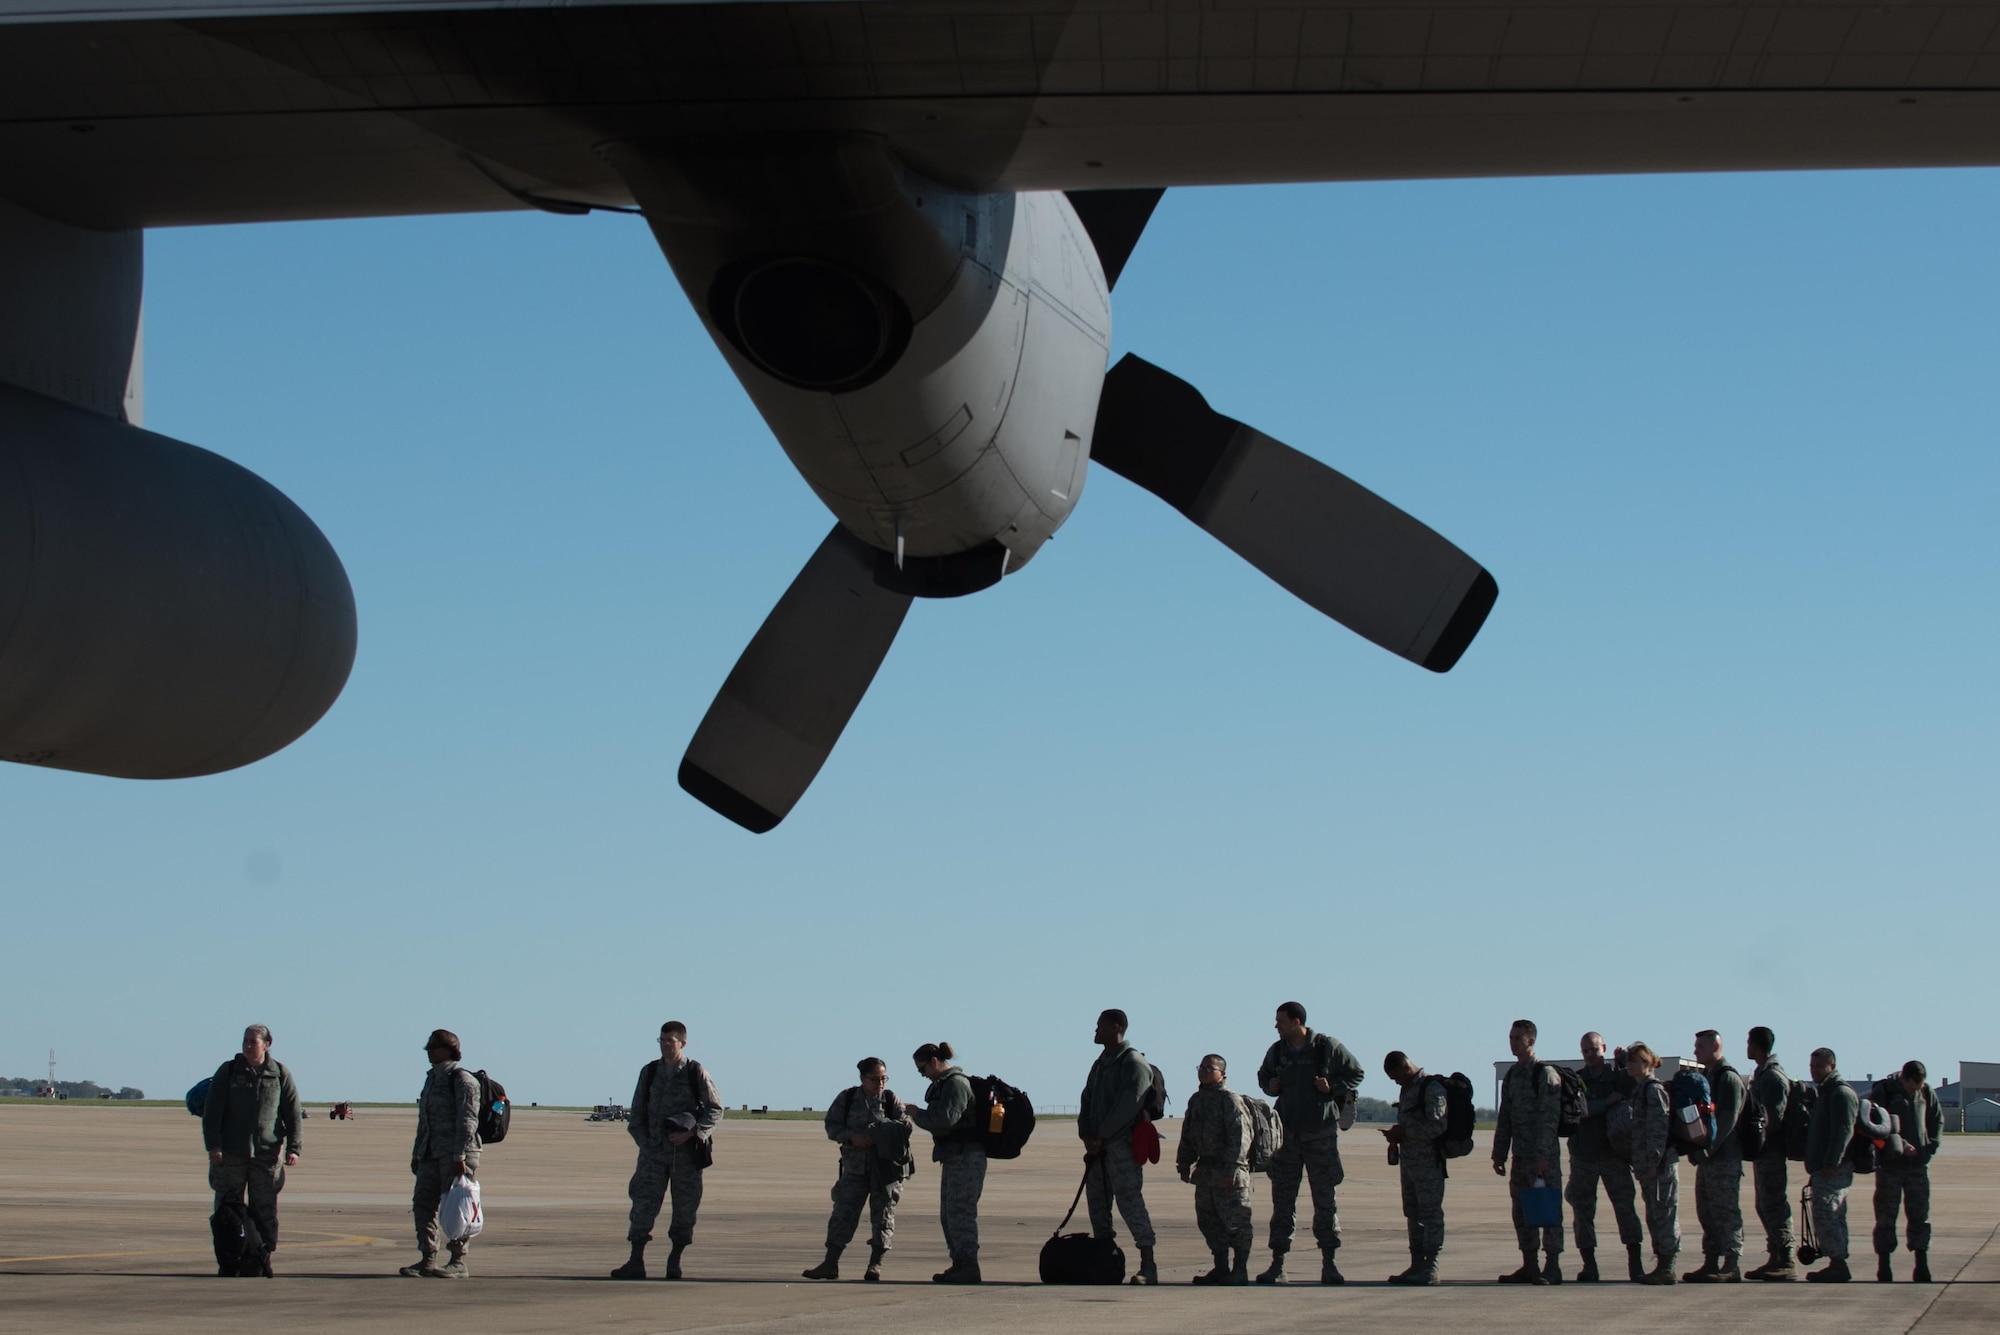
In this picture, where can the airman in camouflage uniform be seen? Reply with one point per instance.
(1530, 1109)
(674, 1109)
(1835, 1110)
(867, 1121)
(1106, 1117)
(1655, 1162)
(1905, 1180)
(1420, 1124)
(960, 1153)
(1214, 1155)
(1770, 1086)
(1591, 1161)
(1718, 1178)
(1312, 1076)
(447, 1148)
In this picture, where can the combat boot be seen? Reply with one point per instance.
(1427, 1269)
(827, 1269)
(1276, 1273)
(1529, 1273)
(1779, 1268)
(423, 1266)
(455, 1268)
(1149, 1272)
(1219, 1273)
(1329, 1273)
(1239, 1272)
(674, 1261)
(635, 1265)
(961, 1271)
(1587, 1275)
(1771, 1260)
(1884, 1272)
(1552, 1270)
(873, 1274)
(1662, 1271)
(1731, 1270)
(1836, 1272)
(1416, 1263)
(1635, 1263)
(1922, 1273)
(1706, 1275)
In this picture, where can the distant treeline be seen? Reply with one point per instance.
(1381, 1110)
(17, 1086)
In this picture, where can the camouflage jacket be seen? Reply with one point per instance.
(447, 1114)
(1726, 1088)
(854, 1112)
(665, 1092)
(1652, 1106)
(1215, 1138)
(1770, 1086)
(1113, 1091)
(1288, 1074)
(252, 1110)
(1832, 1127)
(944, 1108)
(1420, 1111)
(1599, 1084)
(1530, 1106)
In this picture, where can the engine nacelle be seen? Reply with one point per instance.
(929, 359)
(163, 611)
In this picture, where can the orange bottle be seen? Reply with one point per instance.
(996, 1117)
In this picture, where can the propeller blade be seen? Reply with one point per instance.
(1114, 219)
(1322, 536)
(785, 702)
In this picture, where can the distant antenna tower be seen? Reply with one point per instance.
(52, 1072)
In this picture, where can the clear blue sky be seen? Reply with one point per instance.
(1724, 754)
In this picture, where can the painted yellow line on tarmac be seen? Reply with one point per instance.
(340, 1240)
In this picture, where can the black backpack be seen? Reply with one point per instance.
(1153, 1104)
(1079, 1258)
(495, 1111)
(1456, 1142)
(1753, 1127)
(1798, 1119)
(1017, 1118)
(1575, 1101)
(240, 1252)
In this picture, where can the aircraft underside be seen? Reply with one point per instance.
(900, 223)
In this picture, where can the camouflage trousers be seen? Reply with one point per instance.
(1908, 1185)
(1222, 1213)
(1423, 1198)
(1774, 1202)
(1522, 1176)
(851, 1191)
(960, 1180)
(434, 1179)
(669, 1166)
(1315, 1159)
(1718, 1202)
(1586, 1171)
(1829, 1210)
(263, 1179)
(1662, 1200)
(1116, 1176)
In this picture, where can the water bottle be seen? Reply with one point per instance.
(996, 1117)
(1395, 1154)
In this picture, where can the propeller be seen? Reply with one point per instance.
(790, 695)
(1320, 535)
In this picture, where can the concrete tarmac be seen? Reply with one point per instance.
(103, 1226)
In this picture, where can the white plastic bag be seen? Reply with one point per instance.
(459, 1215)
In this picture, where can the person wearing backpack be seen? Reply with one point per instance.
(867, 1121)
(250, 1120)
(1772, 1088)
(1718, 1178)
(446, 1149)
(1421, 1120)
(1655, 1161)
(1605, 1085)
(1905, 1180)
(959, 1150)
(1214, 1156)
(1530, 1111)
(1836, 1107)
(1109, 1112)
(675, 1109)
(1312, 1076)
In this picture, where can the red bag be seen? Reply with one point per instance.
(1145, 1142)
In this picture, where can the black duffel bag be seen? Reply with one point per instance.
(1078, 1258)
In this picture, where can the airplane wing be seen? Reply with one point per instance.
(139, 113)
